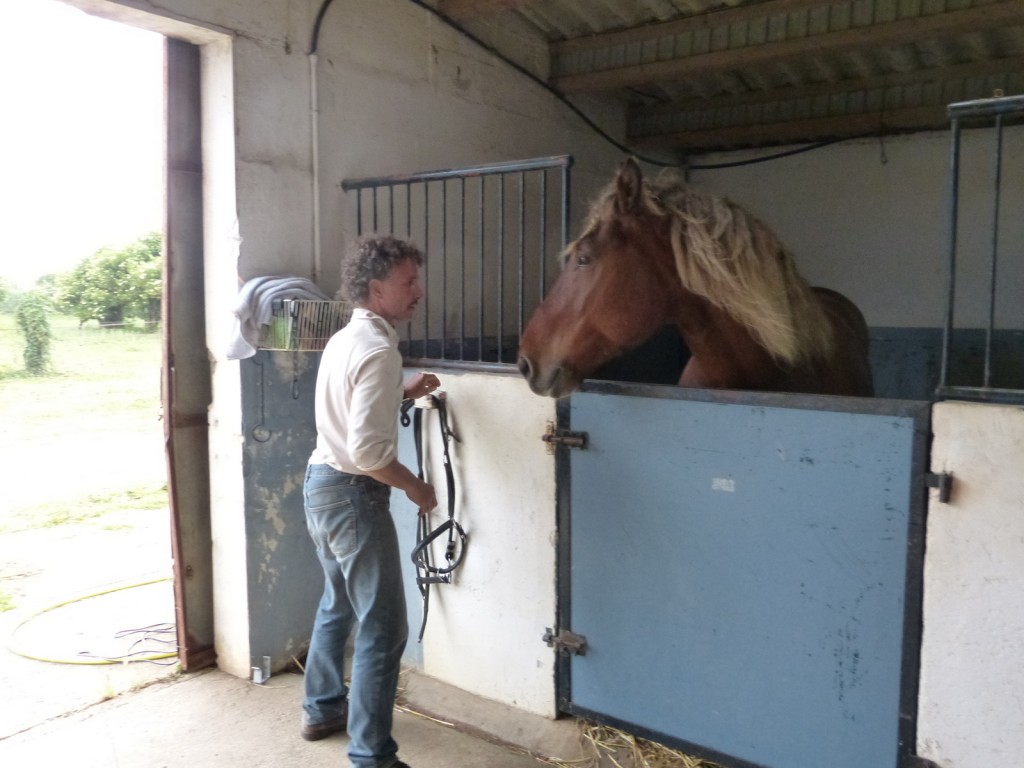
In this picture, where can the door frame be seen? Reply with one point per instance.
(186, 377)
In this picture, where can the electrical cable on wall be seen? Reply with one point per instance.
(561, 97)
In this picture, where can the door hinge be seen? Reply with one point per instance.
(566, 641)
(564, 437)
(943, 482)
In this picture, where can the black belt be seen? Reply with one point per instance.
(455, 549)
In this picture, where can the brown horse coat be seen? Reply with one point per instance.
(656, 253)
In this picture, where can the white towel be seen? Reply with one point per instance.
(254, 308)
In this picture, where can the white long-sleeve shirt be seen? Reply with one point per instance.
(359, 389)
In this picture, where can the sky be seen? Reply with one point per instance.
(81, 137)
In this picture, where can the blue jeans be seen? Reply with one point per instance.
(350, 522)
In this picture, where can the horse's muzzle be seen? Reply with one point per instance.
(551, 382)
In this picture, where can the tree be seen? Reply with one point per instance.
(31, 315)
(112, 286)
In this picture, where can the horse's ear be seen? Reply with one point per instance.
(629, 187)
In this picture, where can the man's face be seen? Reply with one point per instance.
(396, 296)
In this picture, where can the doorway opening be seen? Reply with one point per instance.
(86, 572)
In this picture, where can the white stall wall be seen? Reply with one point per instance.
(971, 709)
(870, 219)
(434, 100)
(484, 632)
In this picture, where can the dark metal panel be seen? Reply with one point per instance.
(186, 372)
(769, 618)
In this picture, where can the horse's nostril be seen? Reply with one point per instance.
(524, 366)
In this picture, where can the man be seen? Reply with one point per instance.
(359, 390)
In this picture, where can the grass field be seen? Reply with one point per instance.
(86, 440)
(83, 509)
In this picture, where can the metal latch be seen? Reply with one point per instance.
(566, 641)
(564, 437)
(943, 481)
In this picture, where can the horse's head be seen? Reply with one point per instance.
(620, 263)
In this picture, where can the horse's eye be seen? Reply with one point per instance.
(583, 259)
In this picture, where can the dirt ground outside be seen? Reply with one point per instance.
(85, 556)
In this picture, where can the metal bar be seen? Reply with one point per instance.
(981, 395)
(408, 235)
(480, 294)
(1005, 105)
(444, 268)
(373, 212)
(426, 270)
(408, 211)
(456, 365)
(993, 261)
(501, 268)
(543, 233)
(565, 205)
(391, 208)
(462, 269)
(522, 251)
(478, 170)
(954, 182)
(359, 214)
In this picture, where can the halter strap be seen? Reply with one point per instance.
(426, 572)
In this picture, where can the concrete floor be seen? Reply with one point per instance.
(213, 720)
(144, 715)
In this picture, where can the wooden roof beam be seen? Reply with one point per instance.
(708, 20)
(1007, 64)
(468, 10)
(797, 131)
(901, 32)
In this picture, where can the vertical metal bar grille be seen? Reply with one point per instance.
(425, 245)
(1001, 344)
(543, 228)
(462, 264)
(997, 176)
(521, 272)
(501, 268)
(474, 247)
(444, 270)
(482, 270)
(954, 191)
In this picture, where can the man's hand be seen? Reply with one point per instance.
(423, 496)
(397, 475)
(421, 385)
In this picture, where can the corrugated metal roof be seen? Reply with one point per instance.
(702, 74)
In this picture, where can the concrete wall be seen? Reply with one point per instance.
(870, 219)
(971, 709)
(433, 101)
(484, 631)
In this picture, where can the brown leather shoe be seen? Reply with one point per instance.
(317, 731)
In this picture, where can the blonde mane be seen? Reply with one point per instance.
(738, 264)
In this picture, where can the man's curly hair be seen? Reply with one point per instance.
(373, 258)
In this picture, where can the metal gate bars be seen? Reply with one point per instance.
(489, 233)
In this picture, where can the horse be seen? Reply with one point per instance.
(657, 252)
